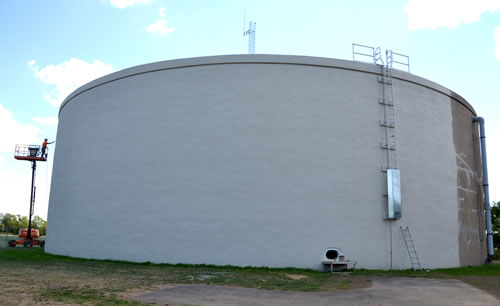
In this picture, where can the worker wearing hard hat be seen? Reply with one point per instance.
(44, 147)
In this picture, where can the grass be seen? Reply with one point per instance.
(4, 239)
(42, 277)
(40, 257)
(75, 280)
(485, 270)
(252, 277)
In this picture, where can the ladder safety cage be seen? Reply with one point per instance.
(378, 56)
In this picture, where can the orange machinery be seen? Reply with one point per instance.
(27, 243)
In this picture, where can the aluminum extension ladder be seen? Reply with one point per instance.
(410, 246)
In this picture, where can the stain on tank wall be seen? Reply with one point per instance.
(471, 238)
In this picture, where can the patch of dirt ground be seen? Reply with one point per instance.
(295, 276)
(346, 281)
(51, 284)
(67, 283)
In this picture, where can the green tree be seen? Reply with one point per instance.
(495, 222)
(23, 221)
(11, 223)
(40, 224)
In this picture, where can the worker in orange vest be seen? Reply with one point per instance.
(44, 147)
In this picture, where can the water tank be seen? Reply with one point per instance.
(263, 160)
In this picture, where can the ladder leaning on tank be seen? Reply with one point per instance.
(410, 246)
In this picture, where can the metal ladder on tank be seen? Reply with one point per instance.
(388, 123)
(412, 251)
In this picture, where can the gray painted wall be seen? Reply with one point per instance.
(252, 160)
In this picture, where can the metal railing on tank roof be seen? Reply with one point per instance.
(375, 54)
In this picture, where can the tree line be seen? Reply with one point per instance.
(495, 220)
(12, 223)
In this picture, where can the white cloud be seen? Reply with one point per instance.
(433, 14)
(15, 175)
(68, 76)
(46, 120)
(14, 132)
(15, 179)
(497, 43)
(160, 28)
(126, 3)
(161, 11)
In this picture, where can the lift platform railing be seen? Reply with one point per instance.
(30, 152)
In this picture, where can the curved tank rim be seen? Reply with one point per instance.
(264, 59)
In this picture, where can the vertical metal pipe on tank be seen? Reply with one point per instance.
(486, 190)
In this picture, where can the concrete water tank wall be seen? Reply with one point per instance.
(262, 160)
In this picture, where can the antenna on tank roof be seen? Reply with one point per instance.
(250, 32)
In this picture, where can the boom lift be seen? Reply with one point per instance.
(33, 153)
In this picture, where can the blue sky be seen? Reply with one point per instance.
(49, 48)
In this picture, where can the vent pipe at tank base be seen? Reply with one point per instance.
(486, 190)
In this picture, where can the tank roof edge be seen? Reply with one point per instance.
(264, 59)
